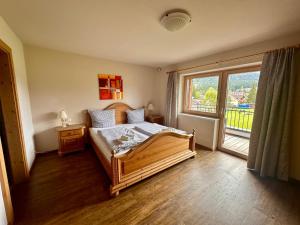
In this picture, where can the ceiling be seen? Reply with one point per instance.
(129, 30)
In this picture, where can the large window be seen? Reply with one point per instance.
(221, 92)
(201, 93)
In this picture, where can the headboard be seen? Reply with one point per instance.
(120, 110)
(120, 113)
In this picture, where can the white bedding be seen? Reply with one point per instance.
(154, 128)
(144, 130)
(103, 145)
(121, 139)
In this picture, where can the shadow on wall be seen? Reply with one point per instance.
(50, 116)
(85, 117)
(46, 140)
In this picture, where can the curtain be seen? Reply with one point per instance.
(171, 111)
(270, 136)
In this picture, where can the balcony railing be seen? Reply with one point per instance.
(239, 119)
(203, 108)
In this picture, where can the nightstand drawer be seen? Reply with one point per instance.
(72, 143)
(71, 132)
(155, 119)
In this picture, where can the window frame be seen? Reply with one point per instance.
(222, 88)
(187, 94)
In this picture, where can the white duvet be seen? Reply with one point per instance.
(154, 128)
(121, 139)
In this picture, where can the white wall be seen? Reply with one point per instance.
(59, 80)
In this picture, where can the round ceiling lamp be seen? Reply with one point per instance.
(176, 20)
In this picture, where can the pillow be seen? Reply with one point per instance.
(136, 116)
(102, 118)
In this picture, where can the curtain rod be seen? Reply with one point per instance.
(231, 59)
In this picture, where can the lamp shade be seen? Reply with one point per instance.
(63, 115)
(150, 107)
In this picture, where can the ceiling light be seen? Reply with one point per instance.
(176, 20)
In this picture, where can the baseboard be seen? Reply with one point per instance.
(233, 153)
(32, 165)
(202, 147)
(294, 181)
(45, 152)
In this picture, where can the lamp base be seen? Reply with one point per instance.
(64, 124)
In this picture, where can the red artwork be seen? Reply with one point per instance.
(110, 87)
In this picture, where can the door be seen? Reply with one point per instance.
(5, 147)
(237, 110)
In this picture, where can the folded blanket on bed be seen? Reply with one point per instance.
(121, 138)
(154, 128)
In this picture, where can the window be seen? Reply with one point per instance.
(201, 94)
(214, 93)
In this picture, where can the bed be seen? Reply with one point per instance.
(158, 152)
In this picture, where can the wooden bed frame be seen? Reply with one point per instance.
(155, 154)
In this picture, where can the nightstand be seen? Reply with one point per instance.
(155, 119)
(71, 138)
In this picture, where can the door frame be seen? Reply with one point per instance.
(5, 189)
(22, 173)
(223, 94)
(19, 165)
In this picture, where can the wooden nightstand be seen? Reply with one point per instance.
(71, 138)
(155, 119)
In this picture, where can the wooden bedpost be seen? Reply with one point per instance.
(193, 141)
(115, 175)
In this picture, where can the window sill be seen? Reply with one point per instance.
(203, 114)
(198, 116)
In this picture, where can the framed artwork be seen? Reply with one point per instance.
(110, 86)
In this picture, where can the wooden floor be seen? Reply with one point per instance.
(236, 144)
(212, 189)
